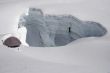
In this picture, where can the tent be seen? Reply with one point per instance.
(12, 42)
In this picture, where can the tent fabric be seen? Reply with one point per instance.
(12, 42)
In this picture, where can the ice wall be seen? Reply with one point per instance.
(52, 30)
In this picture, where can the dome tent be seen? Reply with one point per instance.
(12, 42)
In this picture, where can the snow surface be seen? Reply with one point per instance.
(80, 56)
(86, 55)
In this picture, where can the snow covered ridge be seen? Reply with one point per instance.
(52, 30)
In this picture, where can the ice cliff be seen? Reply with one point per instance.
(56, 30)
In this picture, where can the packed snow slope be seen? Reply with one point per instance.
(78, 57)
(56, 30)
(14, 62)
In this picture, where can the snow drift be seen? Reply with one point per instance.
(54, 30)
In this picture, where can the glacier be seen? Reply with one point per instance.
(45, 30)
